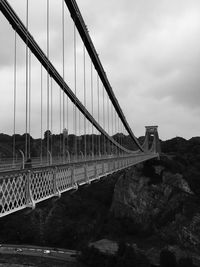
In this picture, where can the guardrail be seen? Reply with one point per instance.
(25, 188)
(8, 164)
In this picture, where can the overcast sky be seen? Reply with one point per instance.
(150, 50)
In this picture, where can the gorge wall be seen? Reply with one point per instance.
(163, 205)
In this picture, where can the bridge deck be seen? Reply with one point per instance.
(20, 189)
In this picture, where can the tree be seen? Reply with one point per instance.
(47, 134)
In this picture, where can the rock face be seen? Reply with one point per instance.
(133, 198)
(168, 207)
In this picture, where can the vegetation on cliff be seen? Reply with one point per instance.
(184, 157)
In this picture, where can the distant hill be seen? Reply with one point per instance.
(56, 142)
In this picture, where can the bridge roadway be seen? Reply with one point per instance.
(20, 189)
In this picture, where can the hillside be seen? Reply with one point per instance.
(160, 208)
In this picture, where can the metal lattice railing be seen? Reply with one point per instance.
(21, 189)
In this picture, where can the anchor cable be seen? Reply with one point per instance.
(26, 126)
(29, 120)
(75, 81)
(98, 112)
(14, 97)
(41, 114)
(63, 63)
(91, 73)
(84, 88)
(48, 132)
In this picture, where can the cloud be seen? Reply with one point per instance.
(149, 50)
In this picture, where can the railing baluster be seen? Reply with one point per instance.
(56, 191)
(73, 178)
(29, 196)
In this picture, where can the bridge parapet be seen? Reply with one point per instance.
(24, 188)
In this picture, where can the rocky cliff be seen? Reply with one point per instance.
(166, 206)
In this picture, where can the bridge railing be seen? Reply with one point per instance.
(25, 188)
(8, 164)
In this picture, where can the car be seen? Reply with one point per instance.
(46, 251)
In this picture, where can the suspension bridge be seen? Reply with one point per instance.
(73, 130)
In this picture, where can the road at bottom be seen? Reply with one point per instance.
(46, 252)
